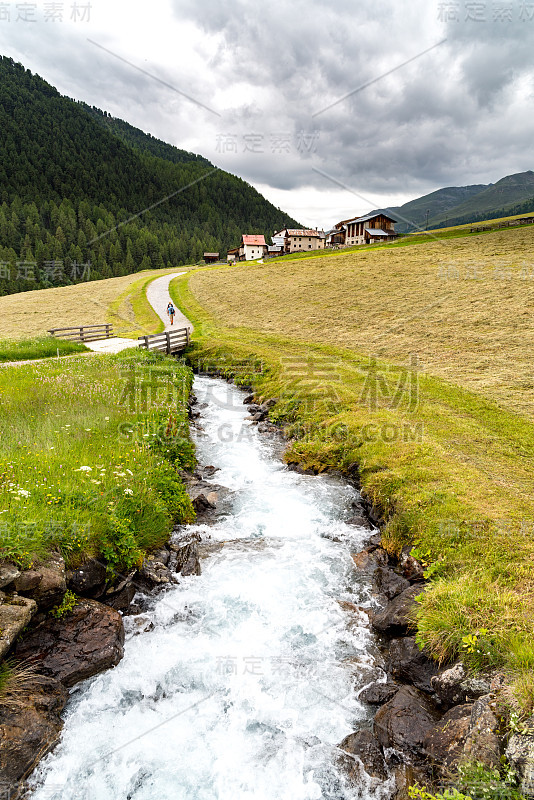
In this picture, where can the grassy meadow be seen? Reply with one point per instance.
(117, 300)
(88, 452)
(38, 347)
(409, 367)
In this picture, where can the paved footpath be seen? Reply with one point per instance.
(158, 296)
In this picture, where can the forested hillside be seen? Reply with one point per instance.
(74, 183)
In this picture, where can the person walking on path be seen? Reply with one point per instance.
(171, 312)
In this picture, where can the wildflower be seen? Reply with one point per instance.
(97, 482)
(84, 469)
(128, 491)
(23, 492)
(129, 471)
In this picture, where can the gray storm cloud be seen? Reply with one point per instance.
(459, 114)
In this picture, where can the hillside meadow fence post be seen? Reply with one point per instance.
(168, 337)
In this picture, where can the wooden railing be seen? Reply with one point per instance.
(84, 333)
(168, 342)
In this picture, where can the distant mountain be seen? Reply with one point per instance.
(456, 205)
(494, 200)
(78, 186)
(413, 213)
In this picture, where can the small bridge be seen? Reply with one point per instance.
(173, 341)
(167, 342)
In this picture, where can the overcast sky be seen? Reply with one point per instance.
(311, 102)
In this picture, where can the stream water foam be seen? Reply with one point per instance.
(239, 683)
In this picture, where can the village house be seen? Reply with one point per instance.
(210, 258)
(299, 239)
(252, 247)
(378, 227)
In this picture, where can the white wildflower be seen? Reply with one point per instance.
(84, 469)
(128, 491)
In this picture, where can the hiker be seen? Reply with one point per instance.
(171, 312)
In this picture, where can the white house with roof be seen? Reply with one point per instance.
(252, 247)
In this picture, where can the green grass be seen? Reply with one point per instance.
(131, 314)
(88, 457)
(38, 347)
(451, 474)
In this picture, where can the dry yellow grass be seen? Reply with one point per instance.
(464, 306)
(462, 491)
(29, 314)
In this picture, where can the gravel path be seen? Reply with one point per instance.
(158, 296)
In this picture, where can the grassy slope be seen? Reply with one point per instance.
(85, 467)
(453, 474)
(33, 313)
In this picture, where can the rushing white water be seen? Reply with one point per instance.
(243, 681)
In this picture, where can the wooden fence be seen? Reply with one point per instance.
(85, 333)
(168, 342)
(509, 223)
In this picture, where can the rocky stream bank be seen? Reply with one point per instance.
(427, 719)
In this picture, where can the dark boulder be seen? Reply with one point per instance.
(122, 599)
(153, 574)
(378, 693)
(162, 555)
(363, 750)
(454, 685)
(483, 742)
(370, 558)
(27, 580)
(520, 754)
(8, 573)
(396, 618)
(360, 521)
(405, 721)
(88, 580)
(88, 640)
(202, 503)
(445, 743)
(389, 583)
(29, 729)
(407, 775)
(51, 588)
(407, 664)
(15, 613)
(374, 541)
(411, 568)
(184, 554)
